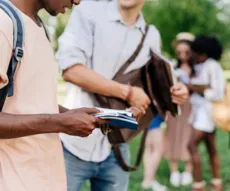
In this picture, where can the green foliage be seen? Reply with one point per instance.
(225, 62)
(195, 16)
(59, 26)
(62, 20)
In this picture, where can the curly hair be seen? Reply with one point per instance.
(208, 45)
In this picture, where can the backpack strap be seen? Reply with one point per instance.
(17, 54)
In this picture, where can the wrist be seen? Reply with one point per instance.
(123, 91)
(130, 92)
(126, 92)
(54, 122)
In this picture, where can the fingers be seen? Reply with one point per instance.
(134, 110)
(100, 122)
(179, 89)
(178, 100)
(90, 110)
(148, 101)
(81, 133)
(76, 2)
(179, 94)
(145, 105)
(137, 113)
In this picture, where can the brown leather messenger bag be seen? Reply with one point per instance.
(156, 79)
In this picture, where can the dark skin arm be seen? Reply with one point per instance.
(77, 122)
(198, 88)
(14, 126)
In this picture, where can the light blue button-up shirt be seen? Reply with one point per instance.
(97, 37)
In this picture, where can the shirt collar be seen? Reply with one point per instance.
(141, 24)
(114, 15)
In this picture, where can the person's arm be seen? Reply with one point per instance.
(215, 89)
(93, 82)
(75, 53)
(77, 122)
(200, 89)
(14, 126)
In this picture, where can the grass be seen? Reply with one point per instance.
(163, 171)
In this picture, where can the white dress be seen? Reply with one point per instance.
(210, 73)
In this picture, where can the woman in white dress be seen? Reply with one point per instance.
(208, 85)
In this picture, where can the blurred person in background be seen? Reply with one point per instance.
(179, 130)
(207, 51)
(99, 38)
(153, 153)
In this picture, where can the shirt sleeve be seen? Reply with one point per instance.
(156, 43)
(5, 54)
(217, 83)
(76, 43)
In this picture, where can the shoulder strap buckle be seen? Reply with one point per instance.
(18, 53)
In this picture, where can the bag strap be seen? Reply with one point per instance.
(116, 148)
(18, 40)
(140, 153)
(134, 55)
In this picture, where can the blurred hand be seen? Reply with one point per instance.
(3, 79)
(76, 2)
(138, 98)
(137, 113)
(180, 94)
(80, 122)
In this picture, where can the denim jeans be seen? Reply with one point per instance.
(103, 176)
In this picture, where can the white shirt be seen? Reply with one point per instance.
(210, 73)
(97, 37)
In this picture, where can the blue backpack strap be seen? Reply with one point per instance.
(18, 40)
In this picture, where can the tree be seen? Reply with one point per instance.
(195, 16)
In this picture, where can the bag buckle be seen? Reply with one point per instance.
(18, 53)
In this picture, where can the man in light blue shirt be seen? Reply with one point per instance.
(97, 41)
